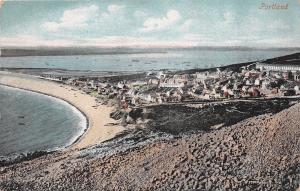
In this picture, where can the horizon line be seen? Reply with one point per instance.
(151, 47)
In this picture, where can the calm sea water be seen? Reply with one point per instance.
(31, 121)
(172, 60)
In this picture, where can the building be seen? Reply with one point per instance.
(297, 76)
(171, 85)
(278, 67)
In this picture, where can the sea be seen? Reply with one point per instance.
(32, 122)
(171, 60)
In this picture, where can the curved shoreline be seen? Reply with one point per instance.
(86, 126)
(96, 130)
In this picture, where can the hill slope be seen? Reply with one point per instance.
(260, 153)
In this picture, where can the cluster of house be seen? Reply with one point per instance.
(152, 89)
(249, 82)
(159, 87)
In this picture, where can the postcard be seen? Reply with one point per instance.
(149, 95)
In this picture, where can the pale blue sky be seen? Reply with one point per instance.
(149, 23)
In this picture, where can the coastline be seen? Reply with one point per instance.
(96, 118)
(149, 160)
(84, 121)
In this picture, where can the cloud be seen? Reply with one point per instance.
(157, 24)
(228, 17)
(248, 40)
(186, 25)
(196, 37)
(1, 3)
(114, 8)
(276, 42)
(130, 41)
(73, 18)
(32, 41)
(106, 42)
(139, 14)
(188, 40)
(278, 24)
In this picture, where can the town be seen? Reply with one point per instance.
(254, 81)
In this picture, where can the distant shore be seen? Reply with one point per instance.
(90, 50)
(97, 117)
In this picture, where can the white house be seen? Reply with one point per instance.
(257, 82)
(297, 90)
(153, 81)
(121, 85)
(277, 67)
(138, 83)
(172, 85)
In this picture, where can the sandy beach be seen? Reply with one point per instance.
(98, 117)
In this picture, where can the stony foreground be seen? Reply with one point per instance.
(260, 153)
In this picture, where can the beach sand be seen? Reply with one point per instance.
(98, 117)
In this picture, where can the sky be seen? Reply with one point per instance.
(149, 23)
